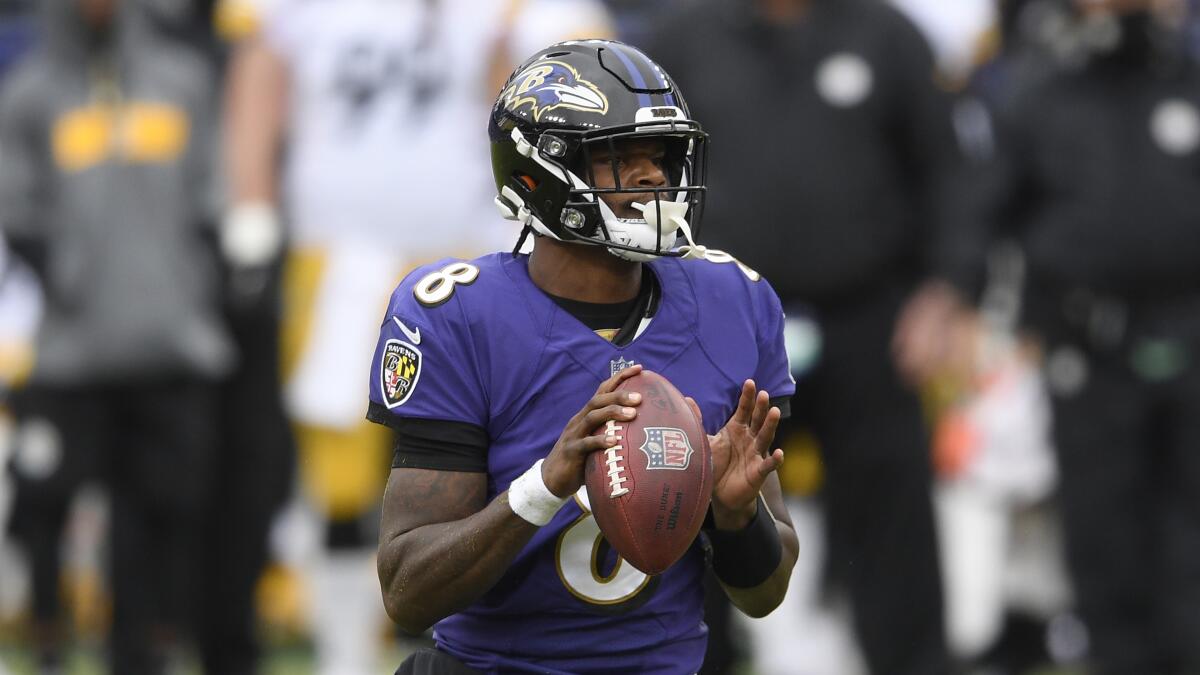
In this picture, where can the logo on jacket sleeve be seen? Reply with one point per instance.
(667, 448)
(399, 370)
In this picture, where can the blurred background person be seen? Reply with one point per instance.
(17, 31)
(1007, 597)
(20, 312)
(350, 135)
(255, 466)
(835, 149)
(1095, 178)
(106, 184)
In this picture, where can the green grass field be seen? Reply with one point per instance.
(289, 660)
(281, 660)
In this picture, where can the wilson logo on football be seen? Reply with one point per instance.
(667, 448)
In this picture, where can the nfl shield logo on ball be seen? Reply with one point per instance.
(667, 448)
(399, 370)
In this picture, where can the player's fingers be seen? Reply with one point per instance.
(619, 413)
(745, 403)
(762, 404)
(611, 383)
(629, 398)
(599, 442)
(770, 463)
(583, 447)
(695, 409)
(766, 433)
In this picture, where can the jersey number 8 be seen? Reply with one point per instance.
(577, 557)
(436, 287)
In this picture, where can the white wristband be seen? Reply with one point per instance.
(529, 497)
(251, 234)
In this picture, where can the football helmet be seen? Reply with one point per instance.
(566, 103)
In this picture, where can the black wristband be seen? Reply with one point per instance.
(747, 557)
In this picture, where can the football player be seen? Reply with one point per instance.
(370, 99)
(494, 373)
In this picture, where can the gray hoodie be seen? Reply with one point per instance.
(107, 160)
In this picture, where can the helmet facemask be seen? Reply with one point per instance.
(664, 208)
(565, 157)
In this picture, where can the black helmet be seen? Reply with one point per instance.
(565, 102)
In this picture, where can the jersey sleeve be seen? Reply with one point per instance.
(773, 373)
(425, 364)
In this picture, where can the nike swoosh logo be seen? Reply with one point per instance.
(413, 335)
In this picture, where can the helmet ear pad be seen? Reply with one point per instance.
(544, 187)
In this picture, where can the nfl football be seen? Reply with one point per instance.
(650, 492)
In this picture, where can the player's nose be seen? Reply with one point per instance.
(645, 172)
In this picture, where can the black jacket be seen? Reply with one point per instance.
(1097, 177)
(831, 142)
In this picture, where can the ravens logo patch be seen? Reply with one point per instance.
(399, 370)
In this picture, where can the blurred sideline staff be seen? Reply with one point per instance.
(836, 149)
(1096, 177)
(105, 184)
(346, 120)
(255, 467)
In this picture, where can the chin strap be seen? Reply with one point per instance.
(692, 251)
(672, 213)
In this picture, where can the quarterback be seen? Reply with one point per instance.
(493, 374)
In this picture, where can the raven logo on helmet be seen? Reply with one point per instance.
(547, 85)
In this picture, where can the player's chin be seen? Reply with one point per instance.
(624, 208)
(627, 212)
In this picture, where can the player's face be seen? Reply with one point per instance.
(638, 162)
(98, 13)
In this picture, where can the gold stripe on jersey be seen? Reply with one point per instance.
(303, 272)
(344, 472)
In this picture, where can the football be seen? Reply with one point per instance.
(650, 492)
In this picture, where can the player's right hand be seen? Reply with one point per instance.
(562, 470)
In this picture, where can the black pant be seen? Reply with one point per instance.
(882, 546)
(152, 445)
(430, 661)
(254, 468)
(1129, 452)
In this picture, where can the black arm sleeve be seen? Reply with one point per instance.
(784, 403)
(441, 445)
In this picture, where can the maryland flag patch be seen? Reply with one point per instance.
(399, 370)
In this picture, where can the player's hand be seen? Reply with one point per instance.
(562, 471)
(742, 457)
(922, 340)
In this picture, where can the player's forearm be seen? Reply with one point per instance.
(255, 105)
(759, 601)
(435, 570)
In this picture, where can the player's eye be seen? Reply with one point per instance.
(616, 160)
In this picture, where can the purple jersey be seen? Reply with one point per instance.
(478, 342)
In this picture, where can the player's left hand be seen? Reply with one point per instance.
(742, 457)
